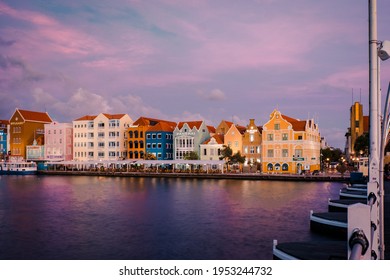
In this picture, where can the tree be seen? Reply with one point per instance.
(191, 156)
(226, 153)
(334, 155)
(238, 158)
(230, 158)
(361, 144)
(150, 156)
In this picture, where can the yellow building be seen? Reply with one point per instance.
(290, 145)
(25, 127)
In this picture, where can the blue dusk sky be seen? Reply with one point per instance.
(189, 60)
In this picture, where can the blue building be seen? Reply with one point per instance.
(159, 140)
(4, 124)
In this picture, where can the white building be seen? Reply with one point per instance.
(58, 141)
(211, 148)
(101, 137)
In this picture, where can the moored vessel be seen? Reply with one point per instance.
(18, 168)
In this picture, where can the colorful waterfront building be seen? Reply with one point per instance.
(290, 145)
(188, 136)
(159, 140)
(4, 138)
(101, 137)
(58, 141)
(26, 127)
(251, 144)
(359, 124)
(137, 142)
(211, 148)
(223, 127)
(234, 137)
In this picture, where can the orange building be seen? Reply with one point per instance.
(25, 127)
(290, 145)
(136, 147)
(233, 138)
(251, 144)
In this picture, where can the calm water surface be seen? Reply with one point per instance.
(70, 217)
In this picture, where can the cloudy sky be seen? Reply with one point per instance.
(189, 60)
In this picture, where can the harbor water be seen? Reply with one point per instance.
(86, 217)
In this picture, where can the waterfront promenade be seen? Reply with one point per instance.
(329, 177)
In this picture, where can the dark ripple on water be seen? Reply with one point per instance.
(94, 218)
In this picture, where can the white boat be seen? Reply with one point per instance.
(18, 168)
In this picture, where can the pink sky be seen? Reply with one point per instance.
(186, 60)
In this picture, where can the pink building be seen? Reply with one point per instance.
(58, 141)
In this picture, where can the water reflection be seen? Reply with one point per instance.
(69, 217)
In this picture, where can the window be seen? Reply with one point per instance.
(205, 152)
(299, 137)
(159, 145)
(277, 126)
(298, 153)
(270, 153)
(159, 136)
(153, 136)
(252, 150)
(235, 143)
(270, 137)
(251, 137)
(277, 166)
(284, 152)
(131, 134)
(270, 167)
(285, 167)
(147, 136)
(101, 125)
(284, 136)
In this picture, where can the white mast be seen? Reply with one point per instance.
(374, 161)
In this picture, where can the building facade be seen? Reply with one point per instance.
(101, 137)
(211, 148)
(58, 141)
(4, 139)
(187, 138)
(25, 128)
(137, 137)
(290, 145)
(251, 144)
(223, 127)
(359, 124)
(233, 138)
(159, 140)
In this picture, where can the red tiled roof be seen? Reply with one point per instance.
(6, 122)
(114, 117)
(86, 118)
(35, 116)
(191, 124)
(299, 125)
(151, 121)
(211, 128)
(218, 138)
(163, 126)
(289, 119)
(241, 129)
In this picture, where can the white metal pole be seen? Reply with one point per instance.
(373, 185)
